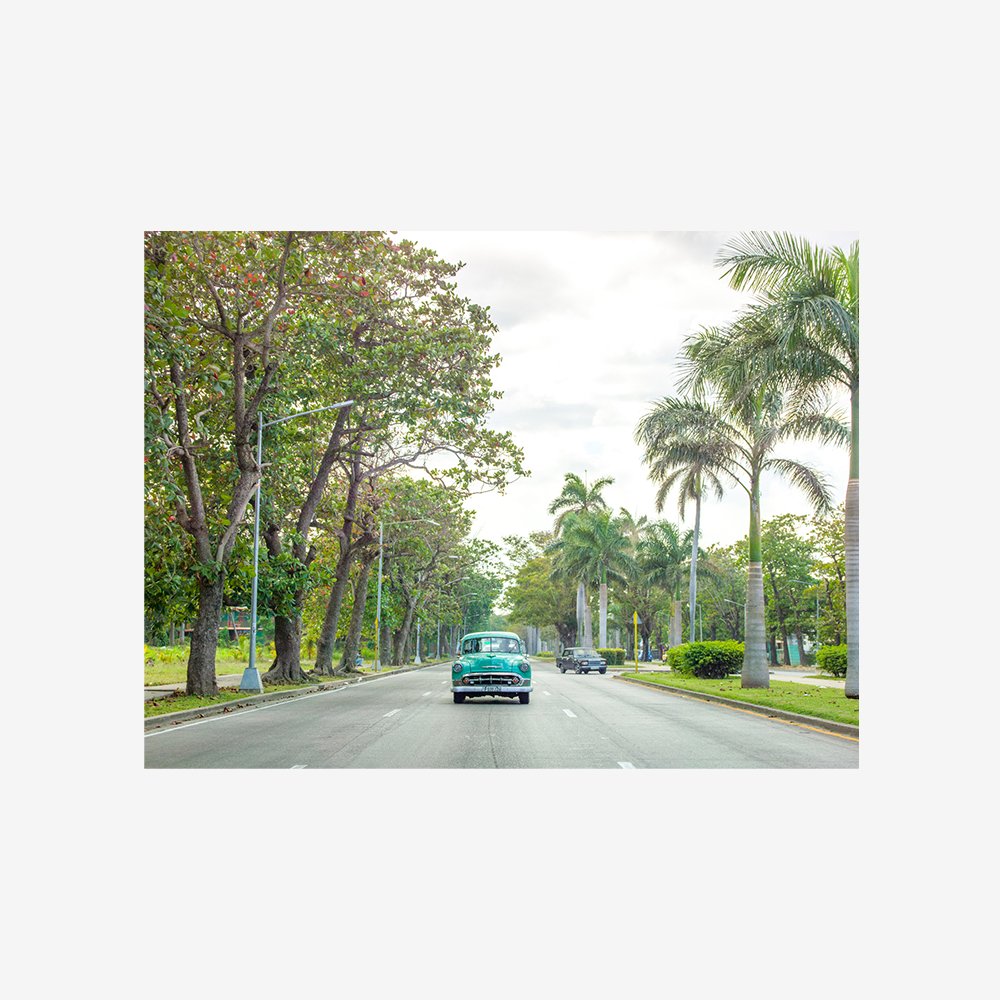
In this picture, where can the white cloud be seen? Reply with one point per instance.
(591, 326)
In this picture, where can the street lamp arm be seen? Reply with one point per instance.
(306, 413)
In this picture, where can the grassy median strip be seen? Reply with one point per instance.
(805, 699)
(179, 702)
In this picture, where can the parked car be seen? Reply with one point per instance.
(491, 663)
(582, 659)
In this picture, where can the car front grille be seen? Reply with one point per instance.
(492, 679)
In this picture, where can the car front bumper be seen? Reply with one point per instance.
(523, 688)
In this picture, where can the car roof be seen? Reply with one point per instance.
(492, 635)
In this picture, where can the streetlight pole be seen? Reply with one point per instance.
(251, 676)
(378, 599)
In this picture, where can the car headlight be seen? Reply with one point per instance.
(456, 668)
(525, 667)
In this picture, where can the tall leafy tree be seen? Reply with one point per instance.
(804, 334)
(219, 327)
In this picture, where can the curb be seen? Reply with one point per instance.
(840, 728)
(224, 708)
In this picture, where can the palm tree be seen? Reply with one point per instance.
(577, 498)
(676, 461)
(663, 557)
(736, 436)
(595, 546)
(803, 334)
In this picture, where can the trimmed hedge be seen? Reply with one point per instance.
(615, 657)
(707, 659)
(546, 655)
(832, 660)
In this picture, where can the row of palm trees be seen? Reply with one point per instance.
(593, 544)
(748, 387)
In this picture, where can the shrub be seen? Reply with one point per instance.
(706, 659)
(832, 660)
(615, 657)
(546, 655)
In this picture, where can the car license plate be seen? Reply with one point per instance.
(491, 688)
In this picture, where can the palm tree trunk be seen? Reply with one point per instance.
(693, 588)
(754, 673)
(604, 615)
(588, 624)
(851, 548)
(581, 597)
(851, 593)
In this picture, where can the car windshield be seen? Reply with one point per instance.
(586, 652)
(491, 644)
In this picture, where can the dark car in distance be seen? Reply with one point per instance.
(582, 659)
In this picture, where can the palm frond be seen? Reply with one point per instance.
(809, 480)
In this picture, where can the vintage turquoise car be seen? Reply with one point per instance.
(491, 663)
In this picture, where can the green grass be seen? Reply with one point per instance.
(806, 699)
(179, 702)
(175, 672)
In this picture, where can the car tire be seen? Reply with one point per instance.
(579, 670)
(523, 698)
(603, 670)
(459, 698)
(562, 670)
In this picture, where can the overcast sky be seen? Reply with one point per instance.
(591, 326)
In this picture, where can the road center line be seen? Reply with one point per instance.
(569, 713)
(298, 767)
(393, 712)
(425, 694)
(549, 693)
(626, 764)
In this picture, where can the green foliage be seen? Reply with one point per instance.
(165, 654)
(706, 659)
(833, 660)
(546, 655)
(615, 657)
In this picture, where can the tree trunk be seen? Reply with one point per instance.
(588, 625)
(693, 587)
(287, 666)
(675, 634)
(604, 616)
(581, 600)
(754, 673)
(205, 638)
(353, 642)
(328, 631)
(403, 636)
(851, 544)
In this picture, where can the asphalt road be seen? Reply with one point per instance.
(573, 721)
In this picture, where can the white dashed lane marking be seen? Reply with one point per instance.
(569, 713)
(626, 764)
(393, 712)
